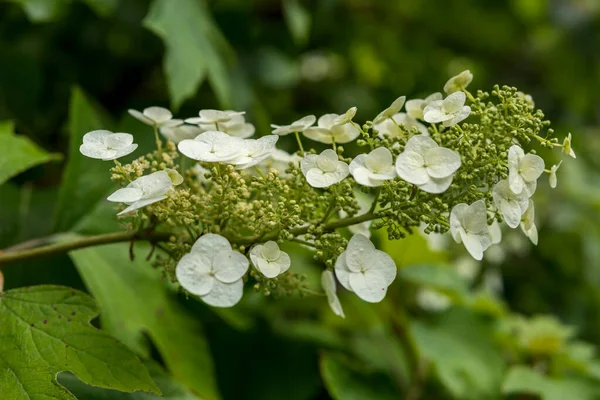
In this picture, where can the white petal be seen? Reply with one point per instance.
(434, 114)
(345, 117)
(305, 122)
(379, 159)
(363, 177)
(118, 141)
(342, 271)
(319, 135)
(241, 130)
(357, 247)
(515, 181)
(475, 217)
(454, 102)
(158, 114)
(284, 261)
(495, 232)
(358, 163)
(125, 151)
(193, 274)
(381, 263)
(420, 144)
(210, 245)
(344, 133)
(435, 185)
(140, 117)
(319, 179)
(327, 121)
(530, 188)
(531, 167)
(473, 245)
(368, 286)
(459, 116)
(308, 162)
(224, 294)
(414, 108)
(156, 184)
(456, 217)
(268, 269)
(441, 162)
(142, 203)
(126, 195)
(96, 137)
(328, 283)
(93, 151)
(410, 166)
(229, 266)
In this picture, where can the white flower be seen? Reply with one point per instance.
(389, 112)
(155, 116)
(567, 149)
(495, 232)
(391, 126)
(449, 111)
(523, 170)
(296, 126)
(324, 170)
(143, 191)
(373, 168)
(254, 151)
(211, 117)
(415, 107)
(236, 125)
(553, 180)
(425, 164)
(213, 271)
(528, 223)
(365, 270)
(328, 284)
(458, 82)
(327, 131)
(432, 300)
(346, 117)
(512, 205)
(180, 132)
(212, 146)
(468, 224)
(105, 145)
(269, 260)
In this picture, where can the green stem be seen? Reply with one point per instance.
(157, 138)
(120, 168)
(299, 144)
(469, 95)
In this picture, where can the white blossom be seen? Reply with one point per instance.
(415, 107)
(468, 225)
(143, 191)
(328, 284)
(327, 131)
(213, 271)
(213, 146)
(523, 170)
(567, 149)
(495, 232)
(512, 205)
(389, 112)
(458, 82)
(449, 111)
(253, 151)
(425, 164)
(364, 270)
(346, 117)
(106, 145)
(374, 168)
(296, 126)
(236, 125)
(392, 126)
(553, 180)
(155, 116)
(269, 259)
(324, 170)
(211, 117)
(528, 223)
(180, 132)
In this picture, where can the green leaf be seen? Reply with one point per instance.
(522, 379)
(19, 153)
(134, 300)
(460, 347)
(436, 276)
(45, 330)
(194, 49)
(103, 8)
(411, 250)
(85, 181)
(298, 21)
(345, 381)
(42, 10)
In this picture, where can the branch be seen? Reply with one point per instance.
(17, 253)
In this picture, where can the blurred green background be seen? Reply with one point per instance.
(72, 66)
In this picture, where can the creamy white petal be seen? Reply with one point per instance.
(442, 162)
(342, 271)
(158, 114)
(126, 195)
(328, 283)
(142, 203)
(531, 167)
(224, 294)
(229, 266)
(410, 166)
(435, 185)
(193, 274)
(454, 102)
(473, 245)
(319, 134)
(381, 263)
(357, 247)
(459, 116)
(92, 151)
(434, 114)
(140, 116)
(210, 245)
(345, 117)
(369, 286)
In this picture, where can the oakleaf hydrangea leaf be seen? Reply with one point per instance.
(45, 330)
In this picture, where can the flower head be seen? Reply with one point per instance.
(269, 260)
(180, 132)
(567, 149)
(425, 164)
(211, 117)
(373, 168)
(155, 116)
(553, 180)
(324, 170)
(458, 82)
(449, 111)
(523, 170)
(510, 204)
(328, 284)
(212, 146)
(144, 191)
(253, 151)
(468, 225)
(297, 126)
(391, 126)
(415, 107)
(528, 223)
(365, 270)
(106, 145)
(389, 112)
(327, 131)
(213, 271)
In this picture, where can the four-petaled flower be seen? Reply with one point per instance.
(553, 180)
(269, 259)
(180, 132)
(236, 125)
(365, 270)
(425, 164)
(389, 112)
(327, 131)
(458, 82)
(328, 284)
(144, 191)
(373, 168)
(512, 205)
(468, 224)
(449, 111)
(296, 126)
(324, 170)
(392, 126)
(212, 117)
(106, 145)
(528, 223)
(155, 116)
(253, 151)
(212, 146)
(415, 107)
(213, 271)
(523, 170)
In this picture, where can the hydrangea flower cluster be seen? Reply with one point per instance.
(235, 203)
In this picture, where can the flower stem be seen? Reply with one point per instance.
(157, 138)
(299, 144)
